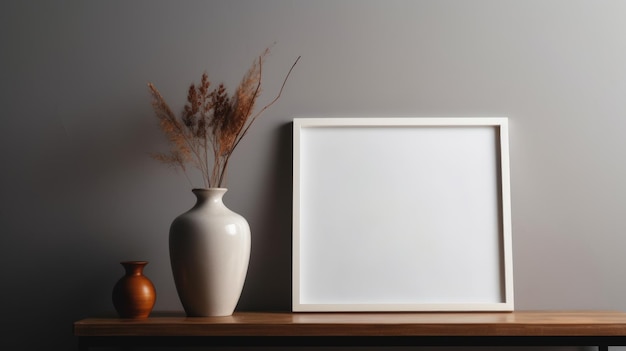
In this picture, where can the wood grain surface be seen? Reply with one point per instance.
(519, 323)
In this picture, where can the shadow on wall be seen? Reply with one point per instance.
(268, 284)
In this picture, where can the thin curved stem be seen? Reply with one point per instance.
(245, 130)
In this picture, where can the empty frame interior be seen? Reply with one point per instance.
(401, 214)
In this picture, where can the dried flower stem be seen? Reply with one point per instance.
(211, 119)
(244, 131)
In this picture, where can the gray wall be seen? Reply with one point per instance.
(79, 192)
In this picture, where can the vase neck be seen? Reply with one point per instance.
(134, 267)
(209, 195)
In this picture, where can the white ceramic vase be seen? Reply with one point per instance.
(209, 254)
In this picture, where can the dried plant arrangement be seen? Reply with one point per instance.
(212, 123)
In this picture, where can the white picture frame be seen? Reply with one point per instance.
(401, 214)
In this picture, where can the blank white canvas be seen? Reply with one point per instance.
(399, 215)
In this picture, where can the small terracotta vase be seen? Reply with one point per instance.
(134, 294)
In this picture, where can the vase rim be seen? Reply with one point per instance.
(208, 189)
(134, 262)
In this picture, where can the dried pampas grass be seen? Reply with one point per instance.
(212, 123)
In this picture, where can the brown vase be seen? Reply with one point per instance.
(134, 295)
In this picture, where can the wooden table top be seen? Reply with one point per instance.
(518, 323)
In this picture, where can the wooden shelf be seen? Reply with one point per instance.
(251, 329)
